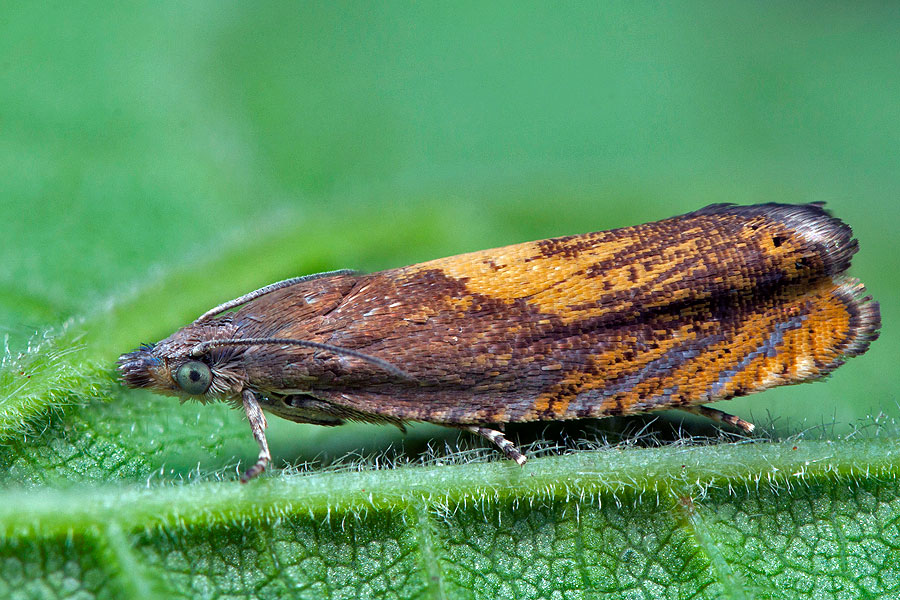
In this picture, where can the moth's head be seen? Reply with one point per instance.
(179, 366)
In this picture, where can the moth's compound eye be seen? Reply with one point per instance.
(193, 377)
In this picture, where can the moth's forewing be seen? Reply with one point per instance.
(721, 302)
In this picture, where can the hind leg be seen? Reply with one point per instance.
(720, 417)
(498, 439)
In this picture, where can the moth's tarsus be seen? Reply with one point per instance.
(498, 439)
(267, 289)
(204, 347)
(258, 426)
(721, 417)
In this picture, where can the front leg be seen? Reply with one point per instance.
(258, 427)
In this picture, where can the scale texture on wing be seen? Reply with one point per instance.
(721, 302)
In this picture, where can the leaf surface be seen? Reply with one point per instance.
(158, 160)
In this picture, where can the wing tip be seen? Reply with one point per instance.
(865, 316)
(831, 238)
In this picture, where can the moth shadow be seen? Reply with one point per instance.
(429, 444)
(640, 431)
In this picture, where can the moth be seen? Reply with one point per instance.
(721, 302)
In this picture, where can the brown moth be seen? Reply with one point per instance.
(721, 302)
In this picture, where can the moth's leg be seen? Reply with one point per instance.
(301, 408)
(258, 427)
(497, 438)
(720, 417)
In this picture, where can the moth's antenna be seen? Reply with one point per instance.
(204, 347)
(269, 289)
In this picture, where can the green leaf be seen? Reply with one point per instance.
(773, 520)
(157, 160)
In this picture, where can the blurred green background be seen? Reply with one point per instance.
(157, 160)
